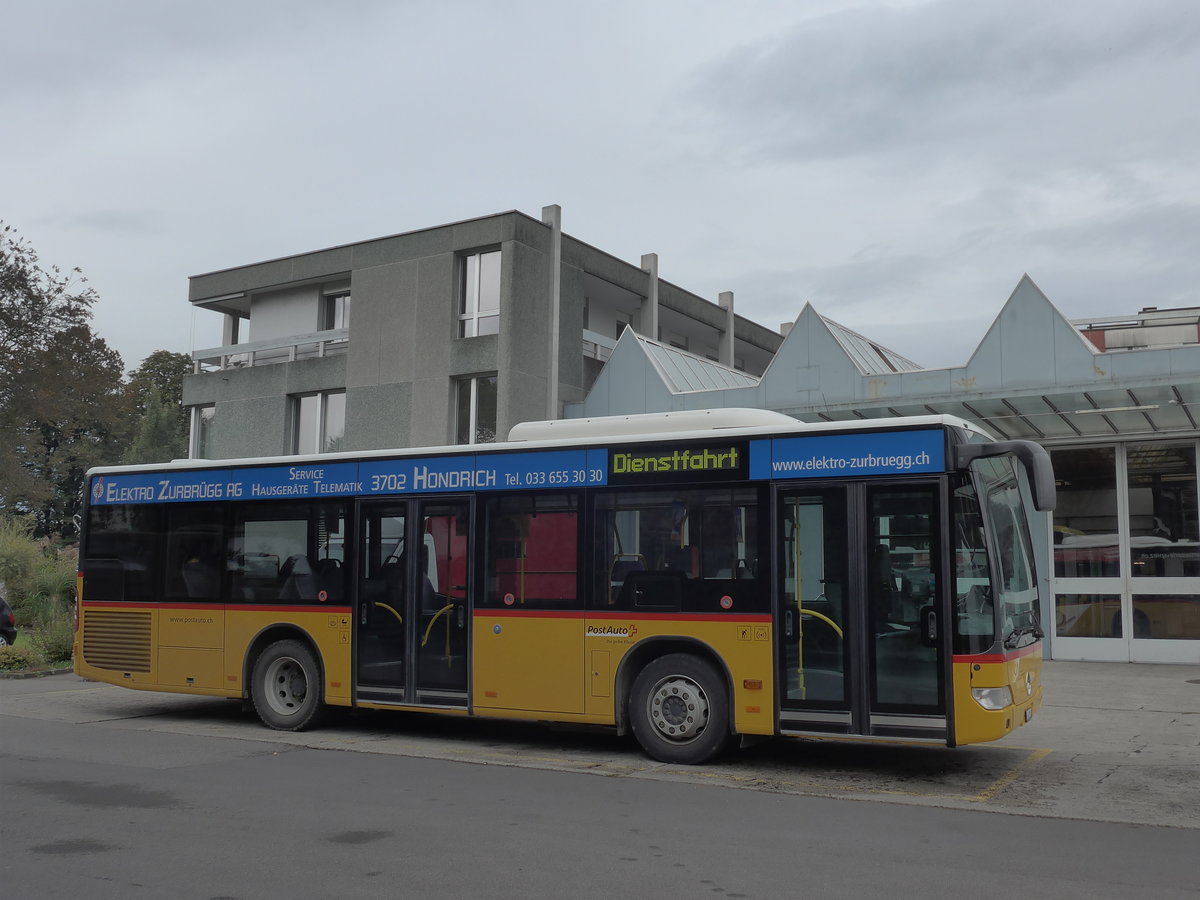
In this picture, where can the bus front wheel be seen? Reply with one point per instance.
(679, 709)
(286, 686)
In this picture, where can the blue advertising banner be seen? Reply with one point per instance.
(411, 475)
(841, 455)
(812, 456)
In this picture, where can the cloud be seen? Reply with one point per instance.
(897, 163)
(871, 81)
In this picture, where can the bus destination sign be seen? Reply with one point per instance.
(666, 463)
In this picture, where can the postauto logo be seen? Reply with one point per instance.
(612, 630)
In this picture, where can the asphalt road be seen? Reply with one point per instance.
(113, 793)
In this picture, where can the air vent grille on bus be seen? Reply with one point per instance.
(117, 639)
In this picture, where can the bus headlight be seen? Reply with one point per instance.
(993, 698)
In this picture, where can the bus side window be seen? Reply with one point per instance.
(531, 552)
(194, 552)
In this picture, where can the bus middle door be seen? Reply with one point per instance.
(861, 642)
(411, 631)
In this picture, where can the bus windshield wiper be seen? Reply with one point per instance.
(1014, 638)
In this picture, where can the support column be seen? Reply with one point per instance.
(650, 304)
(552, 216)
(725, 344)
(229, 330)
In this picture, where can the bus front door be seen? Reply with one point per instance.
(860, 631)
(411, 634)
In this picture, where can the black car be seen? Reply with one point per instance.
(8, 624)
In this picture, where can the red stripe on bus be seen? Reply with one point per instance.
(532, 613)
(999, 657)
(225, 607)
(502, 613)
(621, 616)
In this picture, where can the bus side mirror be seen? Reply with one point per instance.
(1033, 457)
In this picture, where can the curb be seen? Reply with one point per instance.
(34, 673)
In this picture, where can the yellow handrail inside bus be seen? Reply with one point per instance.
(445, 610)
(399, 617)
(824, 618)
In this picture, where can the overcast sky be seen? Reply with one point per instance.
(897, 164)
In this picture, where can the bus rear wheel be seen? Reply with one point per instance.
(679, 710)
(286, 686)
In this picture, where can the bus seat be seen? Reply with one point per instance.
(296, 579)
(653, 590)
(619, 569)
(328, 573)
(685, 559)
(200, 579)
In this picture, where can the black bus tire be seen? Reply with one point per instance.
(679, 710)
(286, 686)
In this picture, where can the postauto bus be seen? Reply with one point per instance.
(690, 578)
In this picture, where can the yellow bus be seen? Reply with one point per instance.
(690, 578)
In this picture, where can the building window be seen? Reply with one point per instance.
(319, 422)
(202, 433)
(1164, 526)
(335, 311)
(479, 294)
(624, 320)
(476, 414)
(1086, 539)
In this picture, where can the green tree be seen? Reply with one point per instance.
(162, 372)
(63, 405)
(35, 305)
(160, 435)
(156, 393)
(78, 417)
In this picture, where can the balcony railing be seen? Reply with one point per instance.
(597, 346)
(325, 343)
(269, 352)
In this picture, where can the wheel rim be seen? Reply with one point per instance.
(677, 707)
(286, 686)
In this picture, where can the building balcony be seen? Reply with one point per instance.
(269, 352)
(597, 346)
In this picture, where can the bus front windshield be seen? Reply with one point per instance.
(996, 588)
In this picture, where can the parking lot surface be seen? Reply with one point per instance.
(1113, 742)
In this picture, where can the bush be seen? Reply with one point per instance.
(54, 576)
(19, 556)
(38, 578)
(16, 659)
(52, 587)
(55, 638)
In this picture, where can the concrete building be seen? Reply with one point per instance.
(445, 335)
(1115, 401)
(455, 333)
